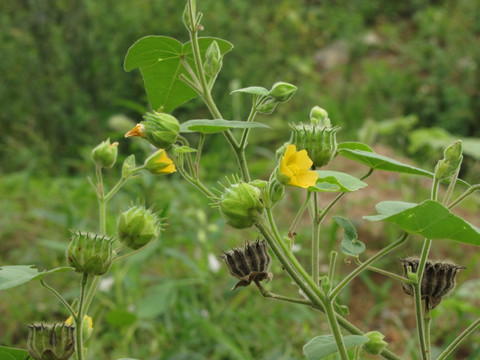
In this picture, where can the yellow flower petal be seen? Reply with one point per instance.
(138, 130)
(302, 160)
(295, 166)
(306, 179)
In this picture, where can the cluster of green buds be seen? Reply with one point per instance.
(249, 264)
(90, 253)
(438, 280)
(105, 154)
(279, 93)
(138, 226)
(241, 205)
(51, 342)
(160, 129)
(449, 165)
(318, 137)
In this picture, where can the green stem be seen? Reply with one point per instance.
(59, 297)
(201, 142)
(315, 240)
(450, 188)
(79, 319)
(298, 216)
(196, 183)
(381, 271)
(428, 321)
(271, 295)
(466, 194)
(332, 320)
(251, 117)
(331, 267)
(364, 265)
(450, 348)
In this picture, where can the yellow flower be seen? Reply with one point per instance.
(295, 168)
(160, 163)
(87, 326)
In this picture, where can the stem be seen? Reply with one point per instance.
(381, 271)
(331, 267)
(364, 265)
(251, 117)
(298, 217)
(315, 241)
(268, 294)
(428, 321)
(332, 320)
(79, 319)
(59, 297)
(450, 188)
(450, 348)
(195, 182)
(466, 194)
(201, 141)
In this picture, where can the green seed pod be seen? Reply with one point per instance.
(282, 91)
(51, 342)
(160, 129)
(438, 280)
(90, 253)
(375, 345)
(138, 226)
(318, 138)
(240, 205)
(250, 264)
(105, 154)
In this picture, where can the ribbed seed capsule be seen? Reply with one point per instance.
(250, 264)
(51, 342)
(439, 279)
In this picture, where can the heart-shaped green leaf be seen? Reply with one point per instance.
(322, 346)
(430, 219)
(337, 181)
(217, 125)
(15, 275)
(7, 353)
(350, 246)
(159, 59)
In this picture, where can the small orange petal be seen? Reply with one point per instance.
(138, 130)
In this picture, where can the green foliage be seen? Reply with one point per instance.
(322, 346)
(217, 125)
(7, 353)
(15, 275)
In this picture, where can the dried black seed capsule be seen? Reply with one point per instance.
(439, 279)
(250, 264)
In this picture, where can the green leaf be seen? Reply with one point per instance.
(11, 276)
(430, 219)
(322, 346)
(342, 182)
(158, 302)
(120, 317)
(353, 145)
(350, 246)
(159, 59)
(380, 162)
(217, 125)
(184, 149)
(255, 90)
(7, 353)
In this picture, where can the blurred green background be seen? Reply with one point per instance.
(398, 73)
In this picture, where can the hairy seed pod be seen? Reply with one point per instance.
(51, 342)
(249, 264)
(438, 280)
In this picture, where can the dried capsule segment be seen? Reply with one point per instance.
(438, 280)
(249, 264)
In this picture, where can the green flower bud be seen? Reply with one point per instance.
(240, 205)
(319, 117)
(51, 342)
(159, 163)
(375, 345)
(128, 167)
(87, 326)
(449, 165)
(137, 227)
(90, 253)
(268, 106)
(105, 154)
(160, 129)
(213, 60)
(282, 91)
(276, 191)
(318, 138)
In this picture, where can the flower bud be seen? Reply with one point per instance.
(160, 129)
(128, 167)
(90, 253)
(319, 117)
(452, 159)
(268, 106)
(240, 205)
(159, 163)
(318, 138)
(213, 60)
(250, 264)
(375, 345)
(282, 91)
(137, 227)
(51, 342)
(439, 279)
(87, 326)
(105, 154)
